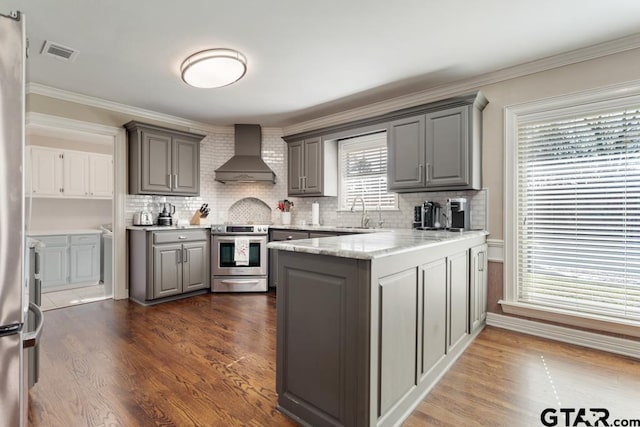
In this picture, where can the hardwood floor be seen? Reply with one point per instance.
(206, 361)
(210, 361)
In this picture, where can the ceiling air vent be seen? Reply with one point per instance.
(58, 51)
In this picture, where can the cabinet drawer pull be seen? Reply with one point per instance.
(182, 237)
(289, 237)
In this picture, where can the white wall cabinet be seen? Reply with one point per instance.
(66, 173)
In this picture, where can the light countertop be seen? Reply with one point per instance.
(328, 228)
(374, 245)
(35, 233)
(164, 227)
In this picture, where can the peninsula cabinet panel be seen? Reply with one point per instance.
(434, 318)
(458, 298)
(319, 352)
(478, 287)
(398, 333)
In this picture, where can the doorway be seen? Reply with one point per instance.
(82, 225)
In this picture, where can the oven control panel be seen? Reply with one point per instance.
(239, 229)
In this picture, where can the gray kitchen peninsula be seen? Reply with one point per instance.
(368, 323)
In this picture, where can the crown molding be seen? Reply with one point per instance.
(76, 130)
(468, 85)
(78, 98)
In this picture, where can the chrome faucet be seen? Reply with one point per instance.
(364, 220)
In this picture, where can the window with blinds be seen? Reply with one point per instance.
(578, 213)
(363, 172)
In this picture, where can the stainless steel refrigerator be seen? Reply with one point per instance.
(14, 283)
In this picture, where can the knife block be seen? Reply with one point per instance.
(198, 219)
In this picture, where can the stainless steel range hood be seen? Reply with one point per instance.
(246, 165)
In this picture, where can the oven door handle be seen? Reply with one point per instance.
(240, 281)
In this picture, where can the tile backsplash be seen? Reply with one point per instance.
(234, 202)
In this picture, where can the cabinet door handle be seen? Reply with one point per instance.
(300, 182)
(480, 261)
(178, 256)
(185, 255)
(420, 172)
(305, 182)
(170, 181)
(428, 172)
(175, 180)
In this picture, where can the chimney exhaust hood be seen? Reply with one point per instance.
(246, 165)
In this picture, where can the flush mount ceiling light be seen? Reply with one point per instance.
(213, 68)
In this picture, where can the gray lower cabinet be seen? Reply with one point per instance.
(478, 286)
(168, 263)
(69, 260)
(439, 149)
(359, 342)
(163, 161)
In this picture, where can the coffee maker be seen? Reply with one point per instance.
(427, 216)
(458, 214)
(165, 217)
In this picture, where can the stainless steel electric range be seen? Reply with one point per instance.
(231, 275)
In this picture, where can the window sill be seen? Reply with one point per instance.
(588, 321)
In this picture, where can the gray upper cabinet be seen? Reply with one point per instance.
(295, 162)
(312, 168)
(163, 161)
(447, 142)
(406, 149)
(431, 147)
(436, 151)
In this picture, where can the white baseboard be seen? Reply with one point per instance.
(608, 343)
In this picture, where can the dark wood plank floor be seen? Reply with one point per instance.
(210, 361)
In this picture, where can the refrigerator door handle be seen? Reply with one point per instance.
(31, 339)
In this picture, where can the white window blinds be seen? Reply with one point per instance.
(363, 172)
(578, 219)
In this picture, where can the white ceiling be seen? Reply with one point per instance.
(305, 58)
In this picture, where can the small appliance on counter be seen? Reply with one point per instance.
(427, 216)
(458, 215)
(166, 216)
(143, 218)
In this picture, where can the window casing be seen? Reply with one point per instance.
(363, 172)
(572, 211)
